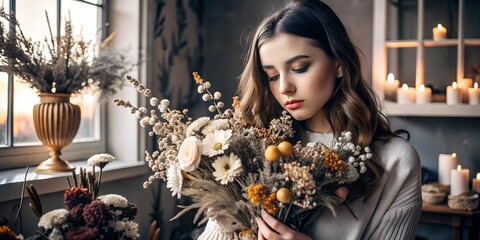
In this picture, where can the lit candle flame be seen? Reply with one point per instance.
(439, 26)
(459, 168)
(454, 85)
(405, 87)
(390, 78)
(422, 88)
(475, 86)
(478, 176)
(454, 155)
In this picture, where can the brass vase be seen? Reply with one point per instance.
(56, 123)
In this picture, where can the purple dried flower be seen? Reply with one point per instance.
(82, 233)
(76, 195)
(96, 214)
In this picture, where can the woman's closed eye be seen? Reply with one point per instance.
(273, 78)
(300, 70)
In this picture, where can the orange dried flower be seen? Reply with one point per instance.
(236, 102)
(258, 196)
(197, 78)
(6, 233)
(332, 160)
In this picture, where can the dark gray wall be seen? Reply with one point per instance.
(229, 22)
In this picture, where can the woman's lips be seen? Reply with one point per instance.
(293, 104)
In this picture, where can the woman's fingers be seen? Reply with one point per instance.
(265, 232)
(272, 229)
(275, 224)
(342, 193)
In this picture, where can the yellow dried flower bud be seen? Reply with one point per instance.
(272, 153)
(283, 195)
(285, 148)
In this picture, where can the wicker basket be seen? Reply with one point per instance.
(466, 202)
(434, 193)
(433, 198)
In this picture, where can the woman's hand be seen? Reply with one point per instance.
(272, 229)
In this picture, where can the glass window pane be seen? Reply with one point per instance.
(24, 98)
(89, 129)
(32, 19)
(472, 63)
(3, 108)
(85, 19)
(440, 68)
(401, 62)
(443, 12)
(402, 20)
(94, 1)
(472, 20)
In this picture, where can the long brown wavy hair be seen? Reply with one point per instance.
(353, 105)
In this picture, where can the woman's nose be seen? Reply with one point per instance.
(286, 85)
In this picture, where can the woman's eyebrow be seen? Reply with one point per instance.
(288, 62)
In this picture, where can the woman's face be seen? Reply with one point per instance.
(301, 76)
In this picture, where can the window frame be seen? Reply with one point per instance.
(20, 156)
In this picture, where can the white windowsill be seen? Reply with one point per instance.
(11, 181)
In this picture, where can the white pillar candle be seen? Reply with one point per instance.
(405, 95)
(459, 180)
(446, 162)
(474, 95)
(453, 94)
(423, 95)
(476, 183)
(391, 86)
(439, 32)
(464, 84)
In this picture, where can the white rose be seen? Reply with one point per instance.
(190, 154)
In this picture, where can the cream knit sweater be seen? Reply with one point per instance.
(392, 212)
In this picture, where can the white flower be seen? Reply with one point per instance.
(53, 218)
(206, 97)
(190, 154)
(175, 180)
(129, 229)
(143, 110)
(201, 89)
(212, 108)
(215, 143)
(154, 101)
(165, 102)
(144, 121)
(114, 200)
(217, 124)
(139, 114)
(217, 95)
(162, 108)
(197, 125)
(227, 168)
(100, 160)
(56, 234)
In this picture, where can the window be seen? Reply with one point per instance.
(19, 145)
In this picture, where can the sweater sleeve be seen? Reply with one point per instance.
(214, 232)
(401, 218)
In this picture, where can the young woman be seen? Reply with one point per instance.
(301, 60)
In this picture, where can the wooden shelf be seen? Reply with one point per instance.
(429, 43)
(431, 110)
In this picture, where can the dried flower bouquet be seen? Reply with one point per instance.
(65, 64)
(231, 171)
